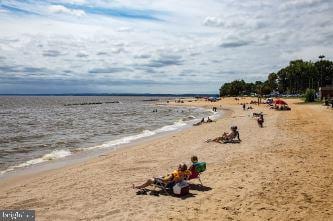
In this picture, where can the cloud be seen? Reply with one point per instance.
(125, 29)
(8, 69)
(165, 60)
(21, 69)
(302, 3)
(16, 10)
(101, 53)
(213, 21)
(107, 70)
(188, 73)
(142, 56)
(138, 44)
(234, 44)
(51, 53)
(3, 10)
(74, 1)
(118, 50)
(123, 12)
(82, 54)
(60, 9)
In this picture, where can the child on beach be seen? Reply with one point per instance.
(194, 173)
(182, 173)
(196, 168)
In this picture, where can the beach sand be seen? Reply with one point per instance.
(283, 171)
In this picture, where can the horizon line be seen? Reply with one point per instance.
(106, 94)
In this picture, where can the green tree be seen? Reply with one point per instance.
(225, 90)
(325, 72)
(297, 77)
(310, 95)
(272, 81)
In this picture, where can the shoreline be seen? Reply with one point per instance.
(283, 171)
(88, 154)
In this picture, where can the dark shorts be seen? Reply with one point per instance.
(159, 181)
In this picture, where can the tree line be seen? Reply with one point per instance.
(298, 76)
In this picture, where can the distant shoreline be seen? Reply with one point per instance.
(115, 94)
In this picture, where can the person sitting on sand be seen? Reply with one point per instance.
(182, 173)
(209, 120)
(227, 137)
(194, 173)
(201, 122)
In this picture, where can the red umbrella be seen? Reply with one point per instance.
(279, 101)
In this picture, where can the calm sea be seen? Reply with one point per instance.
(35, 129)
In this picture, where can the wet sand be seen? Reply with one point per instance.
(283, 171)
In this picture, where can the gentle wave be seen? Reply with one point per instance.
(56, 154)
(62, 153)
(191, 117)
(145, 133)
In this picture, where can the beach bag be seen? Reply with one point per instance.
(181, 189)
(200, 167)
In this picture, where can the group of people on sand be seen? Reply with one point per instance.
(183, 172)
(246, 108)
(203, 121)
(180, 174)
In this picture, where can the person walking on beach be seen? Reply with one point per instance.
(261, 120)
(244, 106)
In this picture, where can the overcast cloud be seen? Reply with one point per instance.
(73, 46)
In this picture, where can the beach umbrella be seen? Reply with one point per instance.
(281, 102)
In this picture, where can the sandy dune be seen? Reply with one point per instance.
(283, 171)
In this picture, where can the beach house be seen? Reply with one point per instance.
(326, 92)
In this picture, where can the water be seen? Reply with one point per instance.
(35, 129)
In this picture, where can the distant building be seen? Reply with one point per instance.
(326, 92)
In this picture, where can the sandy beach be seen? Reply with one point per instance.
(283, 171)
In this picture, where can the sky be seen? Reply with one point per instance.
(155, 46)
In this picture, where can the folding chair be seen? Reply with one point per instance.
(196, 170)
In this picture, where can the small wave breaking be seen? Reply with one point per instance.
(56, 154)
(144, 134)
(62, 153)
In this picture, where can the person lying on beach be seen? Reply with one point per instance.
(227, 137)
(199, 123)
(182, 173)
(209, 120)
